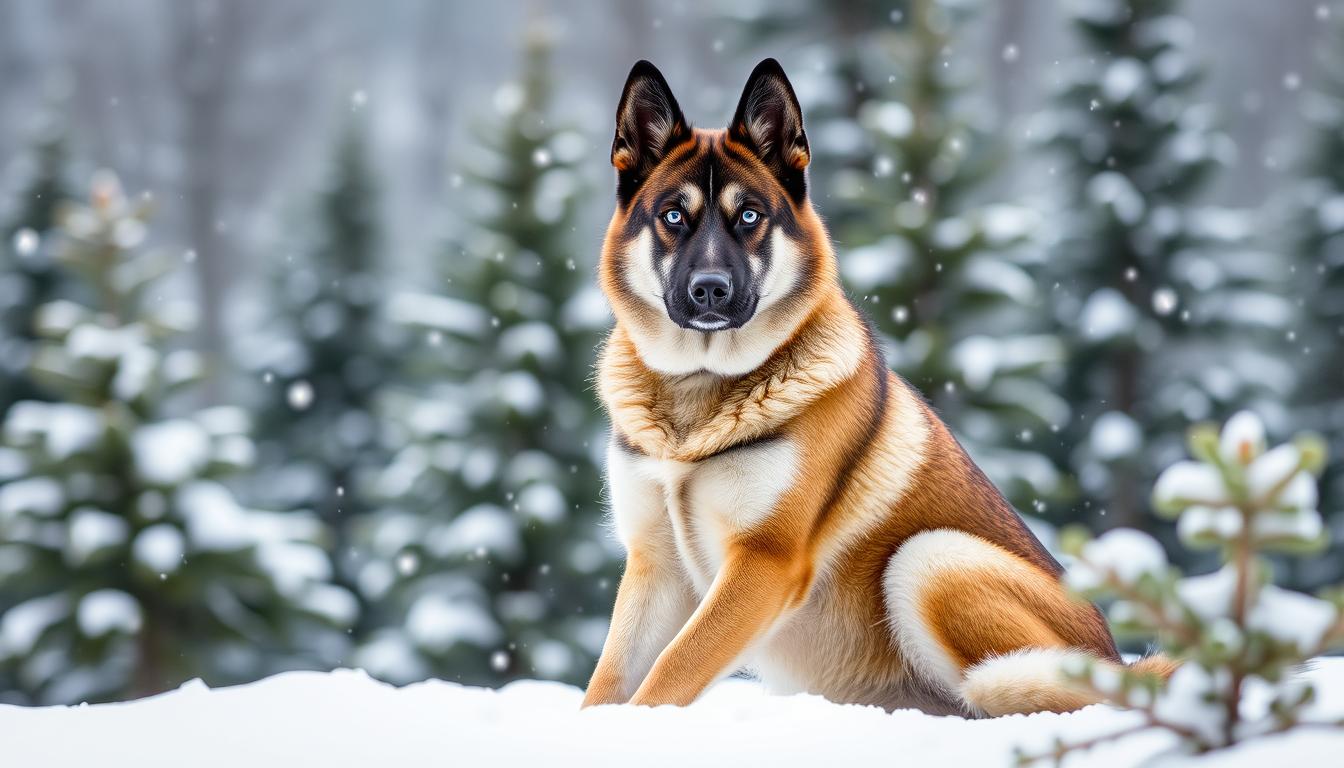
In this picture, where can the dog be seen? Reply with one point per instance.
(786, 502)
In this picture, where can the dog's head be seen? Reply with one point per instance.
(714, 256)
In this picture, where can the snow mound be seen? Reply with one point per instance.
(347, 718)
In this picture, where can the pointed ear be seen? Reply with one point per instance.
(649, 124)
(770, 121)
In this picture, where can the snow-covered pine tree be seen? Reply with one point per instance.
(1240, 639)
(323, 353)
(1316, 238)
(493, 550)
(133, 568)
(28, 273)
(1162, 304)
(944, 277)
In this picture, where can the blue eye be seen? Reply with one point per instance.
(672, 217)
(750, 217)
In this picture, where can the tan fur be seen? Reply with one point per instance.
(886, 570)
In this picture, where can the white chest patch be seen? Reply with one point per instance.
(707, 502)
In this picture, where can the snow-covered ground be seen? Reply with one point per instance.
(346, 718)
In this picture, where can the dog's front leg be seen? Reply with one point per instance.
(652, 603)
(753, 589)
(655, 597)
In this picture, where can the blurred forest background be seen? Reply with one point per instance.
(320, 396)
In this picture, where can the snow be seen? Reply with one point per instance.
(216, 522)
(870, 266)
(1291, 617)
(1200, 524)
(482, 527)
(92, 530)
(94, 342)
(1115, 435)
(1113, 189)
(170, 452)
(299, 395)
(437, 622)
(65, 428)
(1001, 277)
(1298, 525)
(25, 242)
(437, 312)
(160, 548)
(1273, 468)
(39, 496)
(534, 339)
(1107, 315)
(347, 718)
(1242, 438)
(1123, 79)
(521, 391)
(1190, 481)
(890, 118)
(1124, 553)
(543, 502)
(22, 625)
(107, 610)
(135, 373)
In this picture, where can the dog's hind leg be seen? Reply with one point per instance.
(985, 627)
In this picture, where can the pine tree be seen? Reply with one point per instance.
(1240, 639)
(1164, 306)
(28, 274)
(1316, 239)
(323, 354)
(132, 568)
(494, 555)
(946, 279)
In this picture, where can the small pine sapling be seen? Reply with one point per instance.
(1240, 639)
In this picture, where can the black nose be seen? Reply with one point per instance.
(710, 290)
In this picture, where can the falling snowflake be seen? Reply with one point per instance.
(25, 242)
(499, 661)
(408, 563)
(1010, 53)
(299, 395)
(1164, 301)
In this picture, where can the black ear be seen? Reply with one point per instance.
(770, 121)
(649, 124)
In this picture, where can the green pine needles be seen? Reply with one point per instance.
(1240, 638)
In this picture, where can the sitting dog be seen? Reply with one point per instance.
(787, 503)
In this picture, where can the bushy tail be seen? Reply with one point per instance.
(1031, 680)
(1156, 664)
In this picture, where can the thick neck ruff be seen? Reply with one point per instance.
(648, 411)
